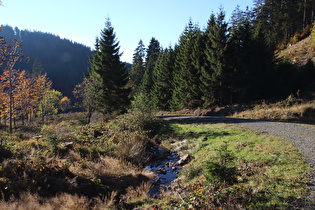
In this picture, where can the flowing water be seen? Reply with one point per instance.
(164, 165)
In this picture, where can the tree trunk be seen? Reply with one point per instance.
(10, 100)
(304, 14)
(22, 119)
(5, 122)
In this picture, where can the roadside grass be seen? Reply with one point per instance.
(269, 173)
(290, 109)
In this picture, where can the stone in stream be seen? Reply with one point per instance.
(183, 160)
(161, 171)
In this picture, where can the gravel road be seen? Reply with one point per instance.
(300, 135)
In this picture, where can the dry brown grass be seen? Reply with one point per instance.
(137, 194)
(63, 201)
(103, 164)
(302, 113)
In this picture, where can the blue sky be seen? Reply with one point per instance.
(81, 21)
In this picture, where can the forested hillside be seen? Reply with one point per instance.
(228, 62)
(64, 61)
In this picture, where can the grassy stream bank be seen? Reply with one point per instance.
(67, 164)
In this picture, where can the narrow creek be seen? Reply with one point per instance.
(165, 165)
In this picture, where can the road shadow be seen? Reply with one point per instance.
(205, 119)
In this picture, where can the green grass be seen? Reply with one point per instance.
(270, 172)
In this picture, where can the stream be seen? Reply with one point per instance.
(164, 164)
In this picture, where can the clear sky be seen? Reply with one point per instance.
(81, 21)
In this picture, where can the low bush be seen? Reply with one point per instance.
(222, 168)
(53, 142)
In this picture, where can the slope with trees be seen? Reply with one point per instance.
(233, 62)
(64, 61)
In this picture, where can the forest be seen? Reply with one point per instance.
(225, 63)
(64, 61)
(229, 62)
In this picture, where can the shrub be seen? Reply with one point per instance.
(53, 143)
(222, 169)
(295, 38)
(137, 121)
(290, 101)
(142, 103)
(5, 152)
(84, 152)
(47, 130)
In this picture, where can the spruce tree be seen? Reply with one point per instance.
(162, 87)
(206, 77)
(150, 61)
(185, 75)
(138, 68)
(214, 73)
(251, 59)
(106, 63)
(238, 54)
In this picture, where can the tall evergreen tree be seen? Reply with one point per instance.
(214, 74)
(162, 87)
(138, 67)
(250, 58)
(153, 51)
(106, 63)
(207, 76)
(261, 66)
(185, 76)
(238, 53)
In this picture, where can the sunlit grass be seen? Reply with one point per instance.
(272, 174)
(297, 112)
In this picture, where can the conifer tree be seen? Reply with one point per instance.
(238, 53)
(106, 63)
(138, 68)
(250, 58)
(162, 87)
(206, 77)
(214, 72)
(185, 75)
(150, 61)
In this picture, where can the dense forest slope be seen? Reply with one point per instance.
(64, 61)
